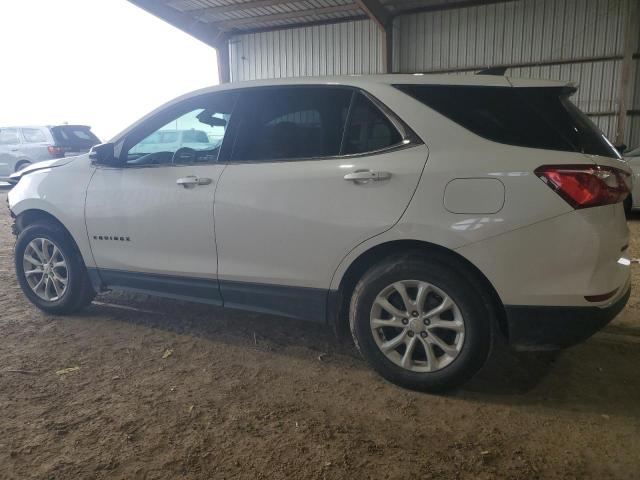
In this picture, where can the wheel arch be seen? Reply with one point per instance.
(34, 215)
(21, 163)
(338, 307)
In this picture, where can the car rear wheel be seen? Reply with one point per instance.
(628, 205)
(420, 323)
(22, 164)
(50, 270)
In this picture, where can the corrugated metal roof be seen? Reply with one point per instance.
(239, 16)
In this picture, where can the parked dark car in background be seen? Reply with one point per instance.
(21, 146)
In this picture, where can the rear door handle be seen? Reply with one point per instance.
(192, 181)
(365, 176)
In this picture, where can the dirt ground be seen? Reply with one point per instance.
(183, 391)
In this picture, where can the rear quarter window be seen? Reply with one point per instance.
(541, 117)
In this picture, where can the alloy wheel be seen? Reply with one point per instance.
(417, 326)
(45, 269)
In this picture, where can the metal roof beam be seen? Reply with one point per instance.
(376, 12)
(379, 14)
(205, 32)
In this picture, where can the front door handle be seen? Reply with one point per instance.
(192, 181)
(365, 176)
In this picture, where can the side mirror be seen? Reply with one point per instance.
(621, 148)
(103, 154)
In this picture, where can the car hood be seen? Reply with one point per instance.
(56, 162)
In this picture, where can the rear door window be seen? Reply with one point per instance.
(9, 136)
(33, 135)
(541, 117)
(287, 123)
(368, 128)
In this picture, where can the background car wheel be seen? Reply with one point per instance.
(50, 270)
(420, 323)
(628, 205)
(22, 164)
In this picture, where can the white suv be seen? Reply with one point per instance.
(426, 213)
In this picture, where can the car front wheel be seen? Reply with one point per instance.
(420, 323)
(50, 270)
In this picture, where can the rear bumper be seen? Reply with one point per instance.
(551, 328)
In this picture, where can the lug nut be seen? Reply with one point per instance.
(414, 313)
(427, 322)
(423, 334)
(405, 321)
(410, 333)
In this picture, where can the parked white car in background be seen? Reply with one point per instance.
(172, 140)
(426, 213)
(633, 159)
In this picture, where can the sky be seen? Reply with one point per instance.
(103, 63)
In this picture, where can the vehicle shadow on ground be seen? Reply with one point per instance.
(595, 377)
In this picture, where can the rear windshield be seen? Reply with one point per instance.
(541, 117)
(73, 135)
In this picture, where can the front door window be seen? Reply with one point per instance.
(190, 138)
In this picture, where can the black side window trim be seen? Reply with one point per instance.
(408, 137)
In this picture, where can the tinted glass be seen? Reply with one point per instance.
(74, 136)
(291, 123)
(529, 117)
(368, 128)
(33, 135)
(185, 137)
(8, 136)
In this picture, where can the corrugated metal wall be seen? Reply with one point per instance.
(335, 49)
(545, 32)
(537, 36)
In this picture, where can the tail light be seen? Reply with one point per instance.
(584, 186)
(55, 151)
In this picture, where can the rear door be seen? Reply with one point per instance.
(302, 190)
(35, 144)
(9, 150)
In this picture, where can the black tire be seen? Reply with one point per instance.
(21, 164)
(628, 205)
(79, 293)
(437, 271)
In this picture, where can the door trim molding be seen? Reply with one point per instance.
(202, 290)
(302, 303)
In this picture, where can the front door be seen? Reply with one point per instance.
(150, 219)
(315, 171)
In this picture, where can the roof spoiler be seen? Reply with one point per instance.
(500, 71)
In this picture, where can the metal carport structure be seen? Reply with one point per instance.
(593, 42)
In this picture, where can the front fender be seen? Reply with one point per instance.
(59, 192)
